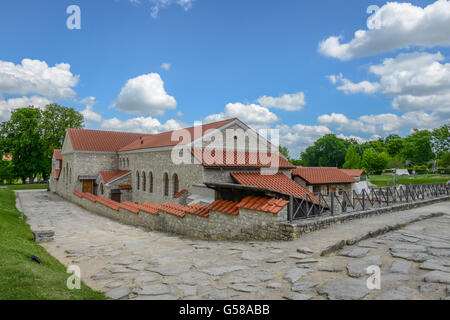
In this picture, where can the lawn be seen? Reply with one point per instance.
(384, 180)
(21, 278)
(26, 186)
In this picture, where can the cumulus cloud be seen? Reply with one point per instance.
(6, 106)
(251, 114)
(394, 26)
(141, 124)
(289, 102)
(145, 95)
(35, 77)
(350, 87)
(88, 113)
(386, 123)
(415, 81)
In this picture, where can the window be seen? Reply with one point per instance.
(137, 180)
(128, 163)
(175, 183)
(70, 175)
(101, 188)
(166, 184)
(150, 181)
(316, 189)
(144, 182)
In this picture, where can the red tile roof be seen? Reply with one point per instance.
(98, 140)
(130, 206)
(165, 139)
(109, 176)
(271, 205)
(199, 210)
(174, 209)
(353, 172)
(126, 187)
(277, 182)
(209, 158)
(179, 194)
(57, 154)
(225, 206)
(150, 207)
(322, 175)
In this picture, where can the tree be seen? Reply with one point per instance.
(328, 151)
(6, 171)
(440, 140)
(21, 137)
(374, 162)
(444, 161)
(394, 146)
(352, 159)
(284, 151)
(417, 147)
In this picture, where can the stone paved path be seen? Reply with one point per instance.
(131, 263)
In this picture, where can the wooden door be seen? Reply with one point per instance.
(88, 186)
(115, 196)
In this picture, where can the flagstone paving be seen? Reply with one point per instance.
(128, 262)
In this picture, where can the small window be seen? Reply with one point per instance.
(144, 182)
(101, 189)
(150, 180)
(70, 175)
(137, 180)
(128, 163)
(175, 184)
(166, 184)
(316, 189)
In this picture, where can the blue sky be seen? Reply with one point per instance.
(156, 65)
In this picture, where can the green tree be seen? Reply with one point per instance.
(440, 140)
(21, 137)
(6, 171)
(284, 151)
(328, 151)
(373, 161)
(444, 161)
(417, 147)
(394, 146)
(352, 159)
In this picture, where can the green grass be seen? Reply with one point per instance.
(384, 180)
(21, 278)
(26, 186)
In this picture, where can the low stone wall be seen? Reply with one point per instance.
(247, 225)
(296, 229)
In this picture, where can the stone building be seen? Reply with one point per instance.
(354, 173)
(323, 180)
(199, 164)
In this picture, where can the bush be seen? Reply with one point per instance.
(420, 168)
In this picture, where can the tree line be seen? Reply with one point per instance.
(419, 150)
(30, 136)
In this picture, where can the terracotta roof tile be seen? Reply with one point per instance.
(209, 158)
(109, 203)
(109, 176)
(98, 140)
(224, 206)
(271, 205)
(277, 182)
(179, 194)
(322, 175)
(174, 209)
(57, 154)
(126, 187)
(150, 207)
(165, 139)
(78, 193)
(199, 210)
(130, 206)
(353, 172)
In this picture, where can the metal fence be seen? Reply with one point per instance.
(332, 204)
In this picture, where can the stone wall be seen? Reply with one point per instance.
(247, 225)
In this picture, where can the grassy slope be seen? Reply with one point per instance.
(382, 180)
(21, 278)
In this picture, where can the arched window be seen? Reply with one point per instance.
(70, 175)
(144, 182)
(137, 180)
(128, 163)
(101, 189)
(175, 183)
(150, 181)
(166, 184)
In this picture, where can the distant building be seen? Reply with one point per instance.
(354, 173)
(323, 179)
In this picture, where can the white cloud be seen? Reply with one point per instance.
(415, 81)
(141, 124)
(166, 66)
(252, 114)
(350, 87)
(157, 5)
(394, 26)
(289, 102)
(6, 106)
(88, 113)
(145, 95)
(35, 77)
(386, 123)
